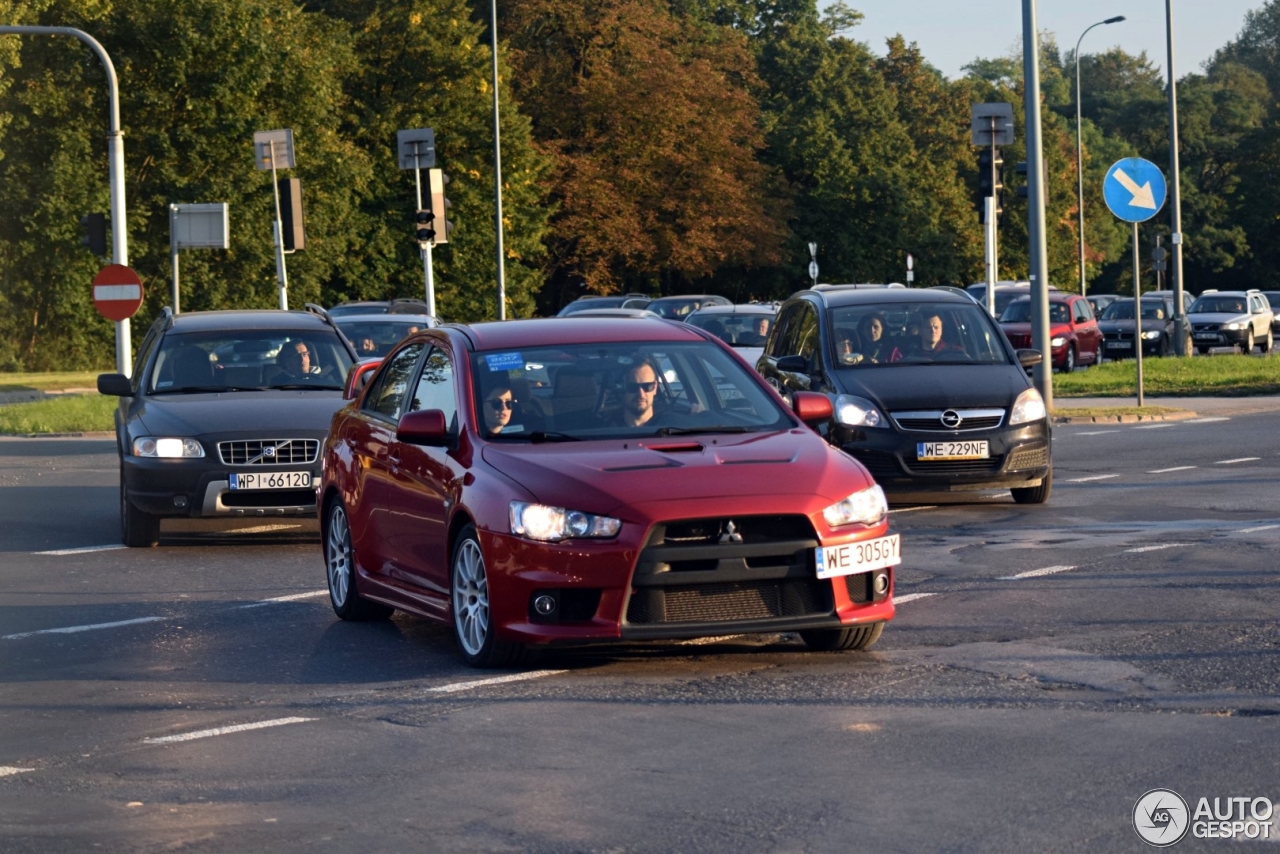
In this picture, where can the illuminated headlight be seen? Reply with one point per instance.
(551, 524)
(1233, 326)
(1028, 407)
(1057, 341)
(1152, 335)
(867, 506)
(852, 411)
(154, 446)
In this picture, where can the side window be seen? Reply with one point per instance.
(784, 332)
(144, 354)
(1083, 315)
(387, 396)
(807, 333)
(435, 388)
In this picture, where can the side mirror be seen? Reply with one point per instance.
(358, 378)
(793, 364)
(812, 408)
(116, 385)
(1029, 358)
(424, 427)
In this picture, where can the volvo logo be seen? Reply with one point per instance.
(951, 419)
(730, 534)
(269, 451)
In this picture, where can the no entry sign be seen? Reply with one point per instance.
(117, 292)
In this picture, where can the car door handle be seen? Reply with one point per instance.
(393, 457)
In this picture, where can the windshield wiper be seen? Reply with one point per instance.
(689, 431)
(206, 389)
(295, 386)
(544, 436)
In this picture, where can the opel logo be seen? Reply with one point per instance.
(951, 419)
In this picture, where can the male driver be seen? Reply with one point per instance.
(639, 387)
(931, 335)
(296, 360)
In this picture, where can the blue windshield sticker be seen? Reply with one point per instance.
(505, 362)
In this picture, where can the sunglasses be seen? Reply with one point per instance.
(647, 388)
(499, 405)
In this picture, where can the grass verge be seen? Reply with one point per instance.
(72, 413)
(1207, 376)
(51, 381)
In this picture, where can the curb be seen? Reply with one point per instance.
(1134, 418)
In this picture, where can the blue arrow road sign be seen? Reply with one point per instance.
(1134, 189)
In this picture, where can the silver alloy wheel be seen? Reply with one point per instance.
(470, 597)
(338, 555)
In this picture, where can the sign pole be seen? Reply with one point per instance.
(173, 253)
(989, 231)
(1137, 311)
(277, 234)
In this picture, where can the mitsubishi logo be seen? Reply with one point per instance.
(951, 419)
(730, 534)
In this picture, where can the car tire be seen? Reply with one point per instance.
(841, 640)
(1246, 346)
(1034, 494)
(470, 604)
(1163, 350)
(1203, 351)
(138, 529)
(340, 570)
(1268, 342)
(1069, 363)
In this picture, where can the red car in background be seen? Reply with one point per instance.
(1074, 336)
(541, 481)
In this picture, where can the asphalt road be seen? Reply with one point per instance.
(1048, 666)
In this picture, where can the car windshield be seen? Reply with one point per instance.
(1123, 310)
(249, 360)
(1020, 312)
(604, 391)
(889, 334)
(374, 339)
(738, 330)
(359, 308)
(1218, 305)
(676, 308)
(592, 303)
(1003, 298)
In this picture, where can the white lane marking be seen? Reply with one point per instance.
(911, 597)
(1206, 420)
(1048, 570)
(9, 770)
(223, 730)
(1096, 432)
(295, 596)
(82, 550)
(258, 529)
(1152, 426)
(1095, 477)
(70, 630)
(702, 641)
(1255, 530)
(1175, 468)
(1237, 460)
(497, 680)
(1156, 548)
(913, 509)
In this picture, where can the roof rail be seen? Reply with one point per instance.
(166, 314)
(312, 308)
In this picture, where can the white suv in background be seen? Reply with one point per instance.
(1231, 319)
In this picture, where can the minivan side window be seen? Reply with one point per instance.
(784, 336)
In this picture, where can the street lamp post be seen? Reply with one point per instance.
(497, 164)
(1080, 148)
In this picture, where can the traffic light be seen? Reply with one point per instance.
(990, 180)
(95, 233)
(440, 204)
(424, 230)
(1020, 169)
(291, 214)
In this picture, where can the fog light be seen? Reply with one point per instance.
(545, 605)
(881, 583)
(179, 501)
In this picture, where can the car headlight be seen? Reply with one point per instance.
(551, 524)
(867, 506)
(1152, 335)
(1233, 326)
(167, 447)
(853, 411)
(1057, 341)
(1028, 407)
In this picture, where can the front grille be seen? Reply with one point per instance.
(956, 467)
(269, 498)
(1019, 342)
(1204, 327)
(751, 529)
(269, 452)
(730, 601)
(932, 422)
(1119, 336)
(1029, 458)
